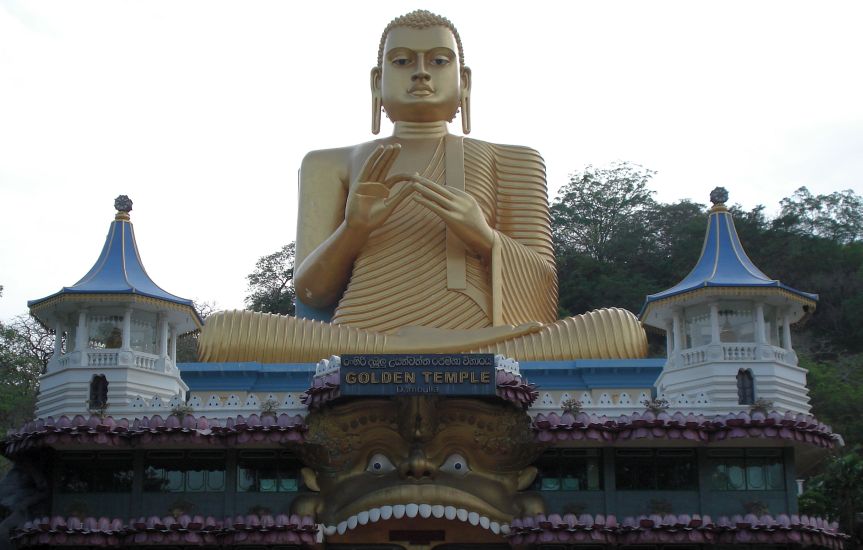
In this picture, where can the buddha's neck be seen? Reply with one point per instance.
(420, 130)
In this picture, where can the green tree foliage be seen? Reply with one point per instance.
(596, 212)
(271, 284)
(837, 492)
(615, 244)
(19, 374)
(836, 391)
(837, 216)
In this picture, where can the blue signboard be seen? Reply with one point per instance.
(417, 374)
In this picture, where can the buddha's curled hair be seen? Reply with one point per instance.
(420, 19)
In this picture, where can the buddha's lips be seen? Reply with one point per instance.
(439, 497)
(413, 510)
(421, 89)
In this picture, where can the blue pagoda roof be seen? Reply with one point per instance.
(724, 263)
(119, 270)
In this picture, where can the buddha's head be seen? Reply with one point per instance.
(420, 76)
(450, 457)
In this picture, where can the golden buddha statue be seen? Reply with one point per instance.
(424, 241)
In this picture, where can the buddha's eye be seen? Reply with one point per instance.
(455, 464)
(440, 60)
(379, 464)
(401, 61)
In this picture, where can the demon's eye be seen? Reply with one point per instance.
(455, 464)
(379, 464)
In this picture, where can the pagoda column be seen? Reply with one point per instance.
(81, 336)
(669, 340)
(759, 324)
(677, 336)
(714, 323)
(174, 344)
(786, 330)
(58, 338)
(163, 337)
(127, 330)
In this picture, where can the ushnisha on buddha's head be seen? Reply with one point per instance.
(421, 75)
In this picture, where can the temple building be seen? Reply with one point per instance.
(702, 448)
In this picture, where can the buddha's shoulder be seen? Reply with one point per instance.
(507, 154)
(505, 150)
(339, 157)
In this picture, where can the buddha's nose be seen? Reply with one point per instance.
(418, 466)
(421, 73)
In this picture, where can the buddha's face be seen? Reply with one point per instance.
(420, 79)
(385, 459)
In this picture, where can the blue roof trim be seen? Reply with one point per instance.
(248, 377)
(119, 270)
(547, 375)
(723, 263)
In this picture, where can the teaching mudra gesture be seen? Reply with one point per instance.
(423, 241)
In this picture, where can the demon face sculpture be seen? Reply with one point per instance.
(449, 465)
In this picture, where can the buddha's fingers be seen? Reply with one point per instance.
(384, 162)
(368, 165)
(434, 191)
(397, 195)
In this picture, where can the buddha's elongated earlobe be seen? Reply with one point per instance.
(465, 100)
(376, 100)
(465, 115)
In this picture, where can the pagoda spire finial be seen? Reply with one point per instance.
(123, 204)
(719, 196)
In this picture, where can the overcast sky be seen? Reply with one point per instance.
(202, 111)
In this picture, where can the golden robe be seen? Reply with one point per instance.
(411, 273)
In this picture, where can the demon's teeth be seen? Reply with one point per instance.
(413, 510)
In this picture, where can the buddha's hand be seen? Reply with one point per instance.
(373, 197)
(459, 211)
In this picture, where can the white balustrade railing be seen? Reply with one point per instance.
(146, 361)
(102, 358)
(738, 352)
(693, 356)
(731, 351)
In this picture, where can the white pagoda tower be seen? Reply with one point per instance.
(728, 330)
(115, 333)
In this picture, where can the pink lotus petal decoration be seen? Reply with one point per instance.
(667, 530)
(123, 432)
(696, 428)
(195, 531)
